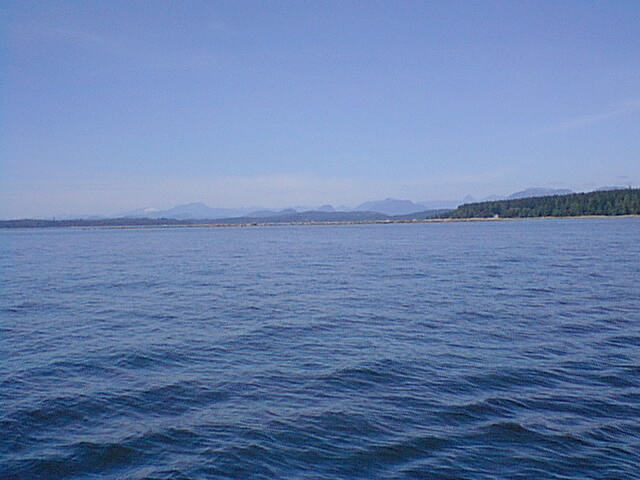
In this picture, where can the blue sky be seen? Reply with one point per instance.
(107, 106)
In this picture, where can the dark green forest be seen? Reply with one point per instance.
(611, 202)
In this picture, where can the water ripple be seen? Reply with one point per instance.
(475, 351)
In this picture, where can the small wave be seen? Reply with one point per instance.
(370, 375)
(78, 459)
(396, 452)
(146, 359)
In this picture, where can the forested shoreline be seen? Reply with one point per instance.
(607, 203)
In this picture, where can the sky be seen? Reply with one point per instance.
(108, 106)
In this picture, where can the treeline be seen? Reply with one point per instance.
(611, 202)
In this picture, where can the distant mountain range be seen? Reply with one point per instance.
(527, 203)
(381, 209)
(198, 210)
(186, 212)
(389, 207)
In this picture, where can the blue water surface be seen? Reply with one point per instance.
(471, 350)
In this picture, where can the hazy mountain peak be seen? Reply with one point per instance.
(390, 206)
(326, 208)
(539, 192)
(186, 211)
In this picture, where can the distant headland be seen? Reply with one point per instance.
(599, 203)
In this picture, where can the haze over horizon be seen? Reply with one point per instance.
(113, 106)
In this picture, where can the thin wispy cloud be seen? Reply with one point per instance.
(587, 120)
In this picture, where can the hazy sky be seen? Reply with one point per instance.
(111, 105)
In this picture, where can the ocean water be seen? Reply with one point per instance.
(474, 350)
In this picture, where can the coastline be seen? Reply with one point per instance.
(17, 225)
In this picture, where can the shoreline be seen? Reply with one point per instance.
(310, 223)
